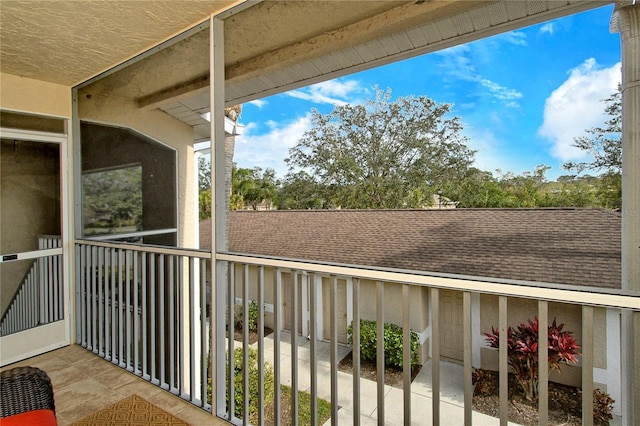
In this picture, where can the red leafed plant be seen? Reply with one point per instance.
(522, 351)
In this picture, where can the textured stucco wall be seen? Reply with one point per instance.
(520, 310)
(34, 96)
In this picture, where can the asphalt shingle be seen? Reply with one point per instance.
(563, 246)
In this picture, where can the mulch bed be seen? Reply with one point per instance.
(368, 370)
(564, 401)
(253, 335)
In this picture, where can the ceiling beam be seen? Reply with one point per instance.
(407, 15)
(176, 93)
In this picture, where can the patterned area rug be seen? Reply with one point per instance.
(131, 411)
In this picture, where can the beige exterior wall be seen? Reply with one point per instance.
(98, 104)
(419, 318)
(520, 310)
(34, 96)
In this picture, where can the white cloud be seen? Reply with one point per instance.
(547, 28)
(258, 103)
(489, 155)
(500, 92)
(515, 37)
(577, 105)
(270, 149)
(333, 92)
(458, 64)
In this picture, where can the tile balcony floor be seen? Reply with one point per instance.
(84, 383)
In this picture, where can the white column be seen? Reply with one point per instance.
(218, 214)
(627, 20)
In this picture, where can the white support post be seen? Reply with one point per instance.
(219, 215)
(627, 20)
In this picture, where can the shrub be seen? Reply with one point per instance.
(238, 316)
(253, 384)
(602, 407)
(393, 343)
(522, 351)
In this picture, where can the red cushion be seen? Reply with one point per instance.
(31, 418)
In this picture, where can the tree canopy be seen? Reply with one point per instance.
(604, 147)
(383, 154)
(398, 154)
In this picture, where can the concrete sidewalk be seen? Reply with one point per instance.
(451, 388)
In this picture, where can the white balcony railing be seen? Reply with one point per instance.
(39, 296)
(146, 309)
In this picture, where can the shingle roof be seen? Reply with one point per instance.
(560, 246)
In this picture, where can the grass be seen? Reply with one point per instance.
(304, 407)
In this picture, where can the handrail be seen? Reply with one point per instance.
(201, 254)
(526, 289)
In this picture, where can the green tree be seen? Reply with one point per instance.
(383, 153)
(252, 187)
(604, 146)
(477, 189)
(204, 174)
(300, 191)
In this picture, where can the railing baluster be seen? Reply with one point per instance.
(145, 347)
(204, 347)
(194, 287)
(172, 318)
(101, 325)
(162, 271)
(468, 356)
(294, 348)
(355, 354)
(434, 297)
(153, 306)
(587, 365)
(245, 344)
(502, 356)
(180, 327)
(406, 353)
(277, 308)
(261, 360)
(121, 273)
(313, 346)
(380, 360)
(135, 312)
(127, 311)
(110, 307)
(86, 299)
(231, 304)
(543, 362)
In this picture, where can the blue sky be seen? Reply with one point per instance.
(522, 96)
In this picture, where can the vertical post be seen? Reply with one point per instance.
(468, 357)
(313, 346)
(406, 353)
(218, 213)
(277, 308)
(587, 365)
(627, 20)
(503, 364)
(543, 362)
(356, 352)
(434, 297)
(380, 361)
(334, 350)
(294, 346)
